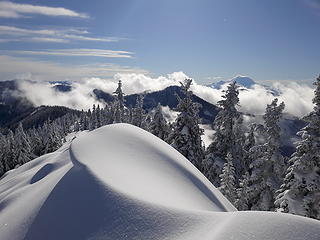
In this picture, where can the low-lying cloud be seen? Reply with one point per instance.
(297, 97)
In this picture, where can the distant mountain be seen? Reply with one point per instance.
(15, 108)
(243, 81)
(165, 97)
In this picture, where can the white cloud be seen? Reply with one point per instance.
(79, 52)
(297, 97)
(41, 93)
(11, 33)
(17, 10)
(12, 67)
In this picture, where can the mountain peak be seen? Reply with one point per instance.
(243, 81)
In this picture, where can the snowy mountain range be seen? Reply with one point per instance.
(120, 182)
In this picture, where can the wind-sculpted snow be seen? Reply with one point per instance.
(120, 182)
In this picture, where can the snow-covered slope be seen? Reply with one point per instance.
(120, 182)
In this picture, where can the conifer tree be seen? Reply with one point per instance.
(267, 166)
(36, 142)
(3, 154)
(93, 118)
(119, 105)
(227, 138)
(300, 193)
(227, 179)
(138, 113)
(250, 142)
(242, 202)
(23, 149)
(98, 117)
(186, 134)
(159, 126)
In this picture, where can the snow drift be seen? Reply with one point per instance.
(120, 182)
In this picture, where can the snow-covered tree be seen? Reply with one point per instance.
(227, 138)
(98, 117)
(250, 141)
(300, 193)
(119, 106)
(227, 180)
(23, 148)
(3, 154)
(11, 156)
(271, 118)
(83, 122)
(93, 119)
(186, 134)
(268, 164)
(242, 202)
(53, 140)
(159, 126)
(138, 114)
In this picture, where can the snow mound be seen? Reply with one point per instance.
(120, 182)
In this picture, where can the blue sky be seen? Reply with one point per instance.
(206, 39)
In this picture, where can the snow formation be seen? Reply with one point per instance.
(121, 182)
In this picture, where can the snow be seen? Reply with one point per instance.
(120, 182)
(244, 81)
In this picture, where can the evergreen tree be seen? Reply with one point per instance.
(186, 134)
(36, 142)
(272, 118)
(250, 142)
(54, 139)
(23, 148)
(119, 106)
(267, 166)
(3, 154)
(227, 179)
(11, 157)
(159, 126)
(300, 193)
(242, 202)
(227, 138)
(98, 117)
(93, 118)
(138, 113)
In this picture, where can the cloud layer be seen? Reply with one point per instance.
(298, 98)
(39, 70)
(17, 10)
(79, 52)
(63, 35)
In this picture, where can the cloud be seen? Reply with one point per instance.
(13, 67)
(11, 33)
(297, 97)
(42, 93)
(17, 10)
(79, 52)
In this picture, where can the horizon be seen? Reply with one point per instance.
(208, 40)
